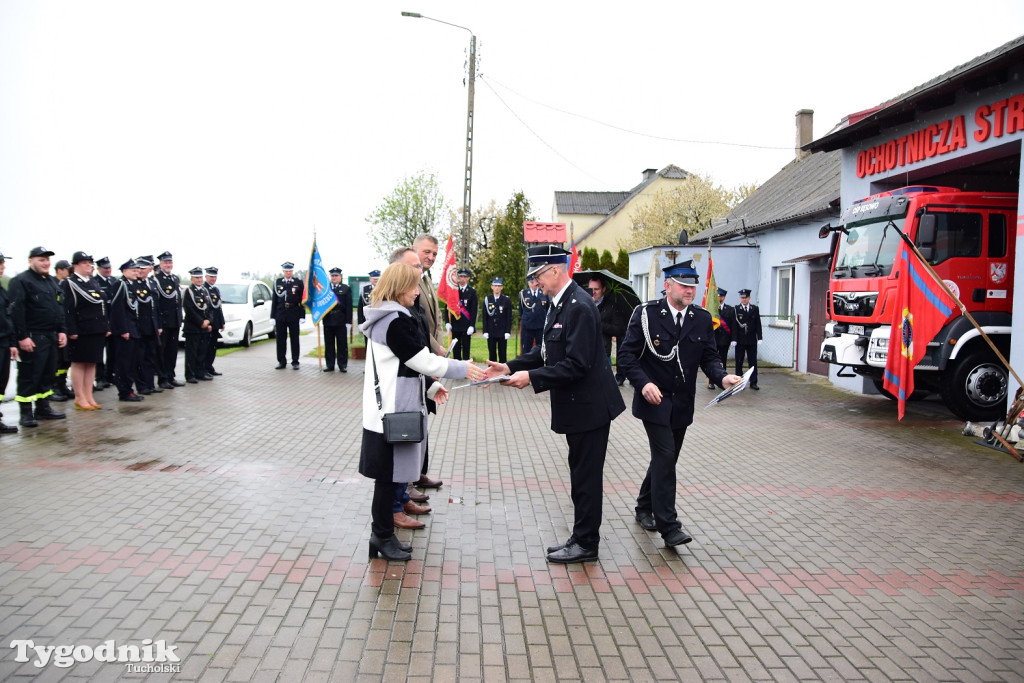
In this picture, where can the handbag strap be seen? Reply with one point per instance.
(376, 379)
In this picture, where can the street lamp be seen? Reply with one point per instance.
(468, 189)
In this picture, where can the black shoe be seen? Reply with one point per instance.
(104, 384)
(677, 537)
(146, 392)
(58, 397)
(166, 385)
(205, 378)
(343, 369)
(97, 386)
(131, 398)
(646, 520)
(572, 554)
(156, 390)
(26, 416)
(45, 412)
(295, 364)
(175, 383)
(711, 387)
(755, 387)
(328, 369)
(556, 548)
(279, 366)
(215, 373)
(192, 380)
(5, 429)
(389, 547)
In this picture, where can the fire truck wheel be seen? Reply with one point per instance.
(976, 388)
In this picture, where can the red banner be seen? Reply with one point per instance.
(448, 288)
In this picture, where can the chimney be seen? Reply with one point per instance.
(804, 131)
(650, 173)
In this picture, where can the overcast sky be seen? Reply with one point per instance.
(227, 131)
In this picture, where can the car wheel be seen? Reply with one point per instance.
(247, 336)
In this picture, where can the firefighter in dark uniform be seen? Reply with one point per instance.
(197, 327)
(723, 333)
(105, 370)
(667, 341)
(462, 327)
(146, 294)
(38, 317)
(88, 326)
(533, 307)
(217, 321)
(746, 335)
(287, 310)
(62, 391)
(570, 363)
(8, 346)
(168, 306)
(364, 295)
(497, 321)
(336, 324)
(124, 328)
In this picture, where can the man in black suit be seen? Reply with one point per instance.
(336, 324)
(746, 335)
(287, 311)
(666, 342)
(463, 326)
(570, 362)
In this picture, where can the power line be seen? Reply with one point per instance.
(627, 130)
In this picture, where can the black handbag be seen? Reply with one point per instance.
(404, 427)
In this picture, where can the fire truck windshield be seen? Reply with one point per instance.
(867, 249)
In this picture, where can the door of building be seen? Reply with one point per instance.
(816, 322)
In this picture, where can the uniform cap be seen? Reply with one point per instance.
(166, 256)
(2, 256)
(80, 256)
(39, 251)
(744, 292)
(143, 261)
(374, 273)
(62, 265)
(335, 271)
(538, 257)
(684, 273)
(212, 270)
(722, 292)
(287, 265)
(103, 262)
(129, 264)
(196, 272)
(498, 281)
(463, 272)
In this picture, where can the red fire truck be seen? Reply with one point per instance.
(967, 237)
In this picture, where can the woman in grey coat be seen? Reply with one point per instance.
(405, 368)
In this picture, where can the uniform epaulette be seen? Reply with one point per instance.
(652, 302)
(699, 308)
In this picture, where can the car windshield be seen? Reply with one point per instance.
(867, 249)
(234, 294)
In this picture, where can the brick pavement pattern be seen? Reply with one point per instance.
(227, 519)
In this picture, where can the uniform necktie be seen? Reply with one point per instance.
(679, 322)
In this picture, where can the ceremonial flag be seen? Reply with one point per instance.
(574, 259)
(710, 302)
(448, 288)
(318, 297)
(922, 308)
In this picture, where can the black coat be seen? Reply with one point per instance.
(168, 304)
(341, 314)
(35, 304)
(532, 309)
(747, 330)
(364, 300)
(584, 395)
(196, 309)
(497, 316)
(723, 334)
(85, 306)
(124, 310)
(145, 297)
(216, 312)
(287, 306)
(469, 301)
(6, 325)
(676, 377)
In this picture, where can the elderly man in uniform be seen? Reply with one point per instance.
(570, 363)
(217, 321)
(287, 311)
(197, 327)
(168, 305)
(666, 342)
(746, 335)
(463, 326)
(533, 308)
(8, 346)
(497, 321)
(336, 324)
(124, 328)
(39, 329)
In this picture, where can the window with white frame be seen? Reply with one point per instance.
(784, 293)
(640, 285)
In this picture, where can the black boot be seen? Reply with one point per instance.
(45, 412)
(26, 415)
(4, 429)
(389, 547)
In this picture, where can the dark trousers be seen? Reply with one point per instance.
(36, 368)
(658, 490)
(5, 372)
(586, 476)
(146, 359)
(620, 376)
(461, 350)
(382, 520)
(530, 337)
(195, 354)
(126, 362)
(283, 330)
(497, 348)
(210, 352)
(168, 354)
(750, 351)
(337, 346)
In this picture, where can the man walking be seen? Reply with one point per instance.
(570, 363)
(666, 342)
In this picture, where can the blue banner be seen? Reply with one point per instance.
(319, 296)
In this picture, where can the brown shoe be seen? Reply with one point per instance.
(416, 496)
(412, 508)
(404, 521)
(425, 482)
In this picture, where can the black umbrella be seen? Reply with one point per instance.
(620, 286)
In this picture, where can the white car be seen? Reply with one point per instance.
(246, 307)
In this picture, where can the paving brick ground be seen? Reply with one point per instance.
(227, 519)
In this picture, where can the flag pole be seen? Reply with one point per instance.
(960, 304)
